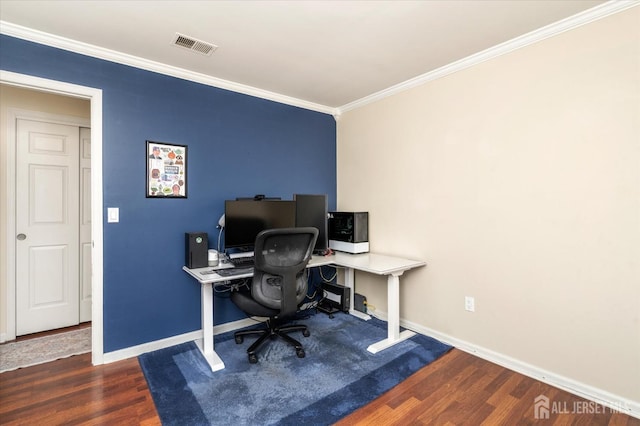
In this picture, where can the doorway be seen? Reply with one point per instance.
(8, 164)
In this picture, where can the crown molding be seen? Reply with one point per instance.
(585, 17)
(75, 46)
(577, 20)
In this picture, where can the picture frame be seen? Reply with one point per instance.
(166, 170)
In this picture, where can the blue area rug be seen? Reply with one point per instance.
(337, 376)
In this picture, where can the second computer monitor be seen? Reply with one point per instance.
(312, 210)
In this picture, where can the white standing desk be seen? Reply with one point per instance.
(392, 267)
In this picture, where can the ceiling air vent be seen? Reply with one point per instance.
(193, 44)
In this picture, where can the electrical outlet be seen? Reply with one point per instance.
(469, 304)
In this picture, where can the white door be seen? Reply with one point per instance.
(47, 217)
(85, 224)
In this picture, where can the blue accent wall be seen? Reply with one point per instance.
(238, 145)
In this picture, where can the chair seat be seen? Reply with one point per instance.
(248, 305)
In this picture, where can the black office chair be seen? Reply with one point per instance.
(279, 285)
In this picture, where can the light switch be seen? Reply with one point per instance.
(113, 215)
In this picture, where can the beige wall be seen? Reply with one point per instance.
(13, 97)
(518, 181)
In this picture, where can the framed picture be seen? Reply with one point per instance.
(166, 170)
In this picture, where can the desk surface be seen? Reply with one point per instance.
(374, 263)
(369, 262)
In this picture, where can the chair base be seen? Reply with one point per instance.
(272, 331)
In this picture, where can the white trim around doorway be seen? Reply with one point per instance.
(95, 97)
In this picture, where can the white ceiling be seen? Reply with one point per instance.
(324, 54)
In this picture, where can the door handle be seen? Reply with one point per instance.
(21, 237)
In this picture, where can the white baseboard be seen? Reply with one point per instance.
(607, 399)
(135, 351)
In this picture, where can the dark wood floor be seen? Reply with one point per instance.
(457, 389)
(461, 389)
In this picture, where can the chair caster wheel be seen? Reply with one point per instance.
(253, 359)
(300, 353)
(239, 339)
(306, 333)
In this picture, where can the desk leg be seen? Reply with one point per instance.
(206, 344)
(350, 282)
(393, 321)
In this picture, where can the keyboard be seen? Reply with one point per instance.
(230, 272)
(242, 262)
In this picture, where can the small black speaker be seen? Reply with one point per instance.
(196, 249)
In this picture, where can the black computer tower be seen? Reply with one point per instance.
(337, 295)
(196, 249)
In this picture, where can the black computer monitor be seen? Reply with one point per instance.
(245, 219)
(312, 210)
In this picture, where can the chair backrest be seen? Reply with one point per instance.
(279, 274)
